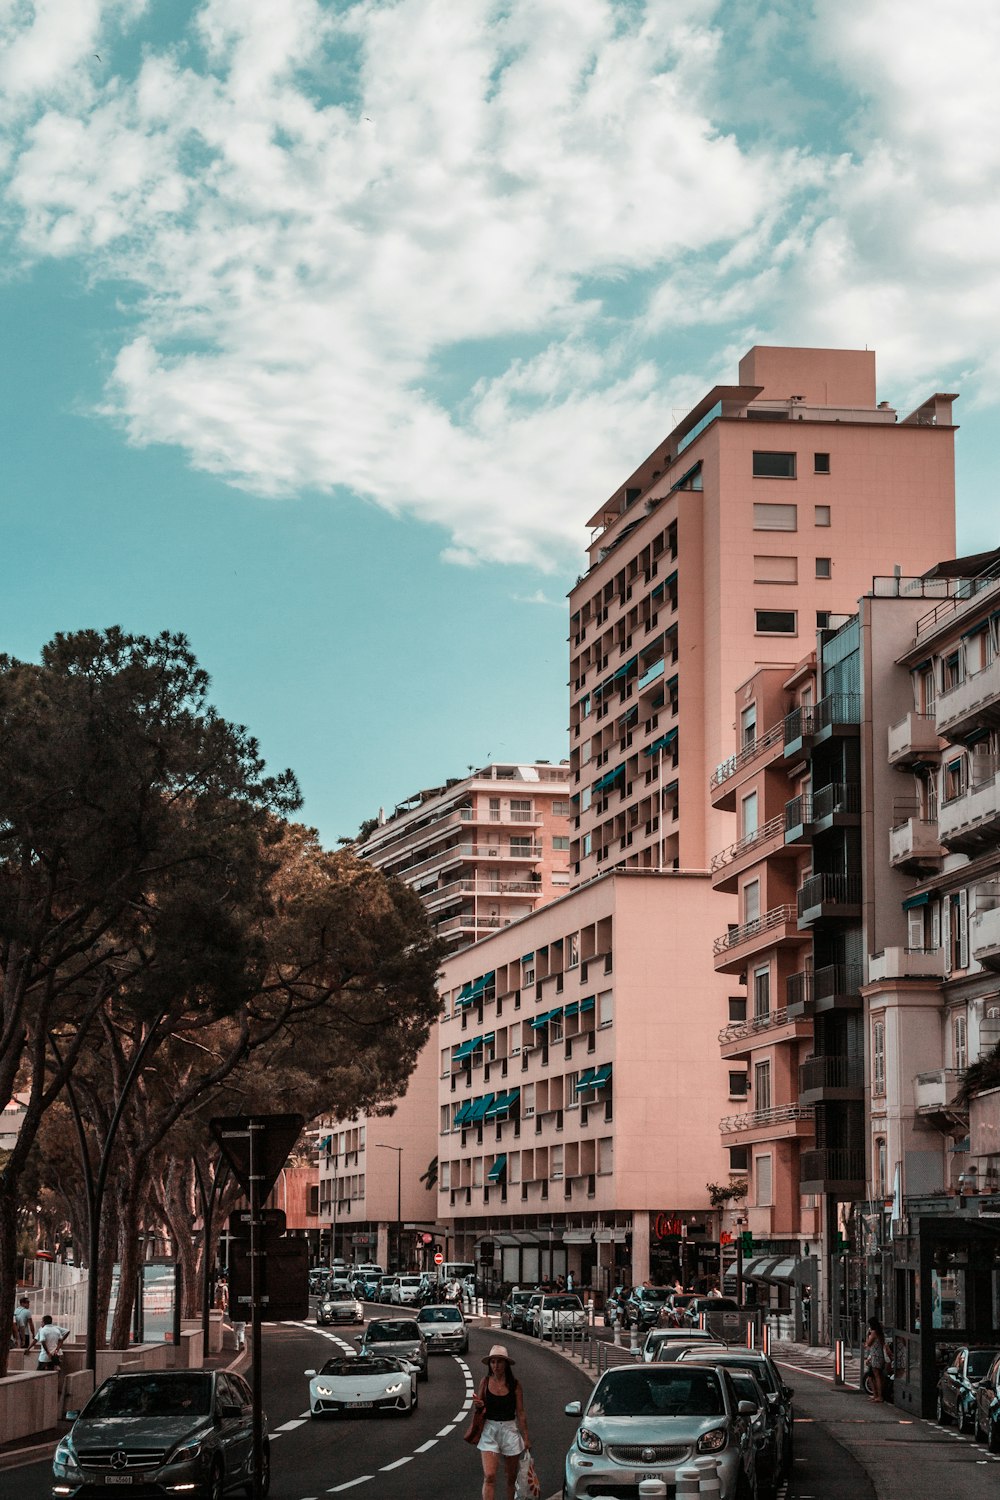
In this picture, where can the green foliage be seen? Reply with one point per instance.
(721, 1193)
(980, 1076)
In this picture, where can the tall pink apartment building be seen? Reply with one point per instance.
(763, 515)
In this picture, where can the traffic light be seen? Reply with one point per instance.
(746, 1241)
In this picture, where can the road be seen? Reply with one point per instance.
(845, 1448)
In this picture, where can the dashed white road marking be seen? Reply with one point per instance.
(397, 1465)
(445, 1430)
(362, 1479)
(426, 1447)
(289, 1426)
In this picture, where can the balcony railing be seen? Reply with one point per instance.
(966, 819)
(823, 984)
(976, 699)
(906, 963)
(937, 1089)
(914, 841)
(728, 768)
(762, 835)
(798, 813)
(829, 890)
(837, 1164)
(778, 916)
(798, 725)
(835, 708)
(778, 1114)
(914, 737)
(737, 1031)
(838, 797)
(831, 1073)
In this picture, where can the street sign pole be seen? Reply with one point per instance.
(256, 1248)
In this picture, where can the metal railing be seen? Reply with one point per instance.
(831, 890)
(761, 835)
(837, 797)
(728, 768)
(778, 916)
(831, 1073)
(837, 1164)
(798, 812)
(778, 1114)
(737, 1030)
(822, 984)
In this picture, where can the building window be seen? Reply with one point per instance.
(954, 780)
(961, 1043)
(738, 1085)
(775, 569)
(560, 809)
(958, 915)
(737, 1007)
(748, 815)
(821, 463)
(605, 1155)
(776, 622)
(587, 840)
(775, 517)
(560, 843)
(762, 1181)
(751, 902)
(773, 465)
(822, 515)
(761, 1087)
(573, 950)
(881, 1168)
(519, 844)
(878, 1057)
(761, 993)
(824, 567)
(605, 1008)
(739, 1158)
(822, 619)
(748, 726)
(951, 671)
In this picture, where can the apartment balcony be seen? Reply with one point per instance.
(972, 704)
(837, 805)
(837, 714)
(740, 1038)
(822, 1079)
(914, 741)
(906, 963)
(833, 987)
(972, 820)
(777, 928)
(798, 821)
(780, 1122)
(914, 845)
(763, 751)
(835, 1170)
(826, 896)
(984, 937)
(934, 1092)
(729, 864)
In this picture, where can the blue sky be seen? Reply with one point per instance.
(325, 326)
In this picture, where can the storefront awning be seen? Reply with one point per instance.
(778, 1270)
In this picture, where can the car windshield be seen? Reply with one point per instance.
(440, 1315)
(410, 1280)
(347, 1368)
(391, 1329)
(563, 1304)
(668, 1392)
(979, 1361)
(520, 1297)
(153, 1396)
(758, 1367)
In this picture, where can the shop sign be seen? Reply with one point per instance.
(667, 1226)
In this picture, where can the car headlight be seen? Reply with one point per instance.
(188, 1450)
(588, 1442)
(65, 1452)
(394, 1390)
(324, 1390)
(712, 1442)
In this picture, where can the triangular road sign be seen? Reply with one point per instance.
(273, 1137)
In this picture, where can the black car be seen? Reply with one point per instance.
(160, 1432)
(513, 1309)
(779, 1395)
(956, 1392)
(644, 1305)
(766, 1429)
(987, 1408)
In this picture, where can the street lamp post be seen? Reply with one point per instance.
(399, 1198)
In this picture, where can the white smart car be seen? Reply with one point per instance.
(379, 1382)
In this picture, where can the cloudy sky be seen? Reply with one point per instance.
(324, 326)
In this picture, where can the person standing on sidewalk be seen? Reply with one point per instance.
(24, 1324)
(875, 1358)
(50, 1339)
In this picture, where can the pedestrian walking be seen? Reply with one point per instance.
(505, 1431)
(50, 1339)
(875, 1358)
(240, 1333)
(24, 1324)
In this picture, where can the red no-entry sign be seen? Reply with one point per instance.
(438, 1259)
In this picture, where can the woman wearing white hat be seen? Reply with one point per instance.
(505, 1431)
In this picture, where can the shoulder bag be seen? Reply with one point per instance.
(477, 1421)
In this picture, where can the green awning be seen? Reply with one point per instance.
(670, 578)
(623, 671)
(527, 958)
(547, 1015)
(466, 1048)
(497, 1170)
(587, 1004)
(462, 1113)
(602, 1077)
(324, 1144)
(473, 992)
(606, 781)
(572, 1008)
(502, 1104)
(585, 1080)
(663, 743)
(479, 1108)
(913, 901)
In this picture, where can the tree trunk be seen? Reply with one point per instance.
(8, 1259)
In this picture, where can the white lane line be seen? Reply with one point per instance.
(445, 1430)
(335, 1489)
(426, 1447)
(397, 1465)
(289, 1426)
(274, 1434)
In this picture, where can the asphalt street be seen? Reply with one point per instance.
(845, 1449)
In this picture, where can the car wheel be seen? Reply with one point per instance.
(940, 1415)
(216, 1482)
(977, 1430)
(964, 1419)
(265, 1475)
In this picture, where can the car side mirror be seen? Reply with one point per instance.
(952, 1370)
(747, 1408)
(573, 1408)
(71, 1416)
(227, 1411)
(309, 1373)
(787, 1392)
(358, 1337)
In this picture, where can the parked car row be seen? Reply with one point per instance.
(645, 1307)
(969, 1393)
(544, 1315)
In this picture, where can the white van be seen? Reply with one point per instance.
(455, 1270)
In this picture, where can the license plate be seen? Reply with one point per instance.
(118, 1478)
(358, 1405)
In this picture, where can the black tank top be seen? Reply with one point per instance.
(500, 1408)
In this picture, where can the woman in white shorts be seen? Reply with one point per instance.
(505, 1432)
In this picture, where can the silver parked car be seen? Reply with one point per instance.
(648, 1421)
(444, 1328)
(398, 1336)
(161, 1432)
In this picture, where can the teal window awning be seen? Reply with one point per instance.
(502, 1104)
(603, 782)
(479, 1108)
(587, 1004)
(628, 667)
(528, 958)
(663, 743)
(472, 992)
(585, 1080)
(498, 1169)
(912, 902)
(466, 1049)
(462, 1113)
(546, 1016)
(324, 1144)
(602, 1077)
(572, 1009)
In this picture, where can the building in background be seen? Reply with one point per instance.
(481, 851)
(762, 516)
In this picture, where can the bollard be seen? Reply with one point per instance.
(765, 1339)
(652, 1489)
(634, 1345)
(618, 1334)
(687, 1484)
(708, 1479)
(751, 1334)
(838, 1362)
(590, 1311)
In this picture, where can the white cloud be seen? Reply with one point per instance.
(453, 286)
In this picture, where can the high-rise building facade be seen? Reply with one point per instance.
(763, 515)
(482, 850)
